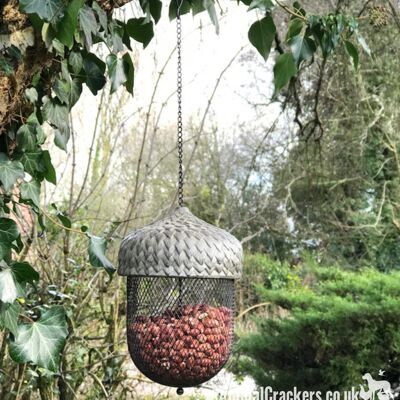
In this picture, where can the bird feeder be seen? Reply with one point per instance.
(181, 298)
(181, 288)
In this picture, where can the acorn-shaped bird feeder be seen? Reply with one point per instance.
(181, 273)
(181, 288)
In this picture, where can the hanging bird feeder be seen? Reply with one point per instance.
(181, 275)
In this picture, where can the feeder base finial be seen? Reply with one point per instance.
(179, 391)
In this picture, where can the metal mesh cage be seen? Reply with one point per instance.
(180, 330)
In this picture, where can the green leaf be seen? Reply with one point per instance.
(56, 113)
(284, 70)
(24, 272)
(101, 14)
(295, 27)
(116, 71)
(97, 256)
(197, 7)
(6, 66)
(297, 7)
(48, 10)
(263, 5)
(117, 33)
(155, 7)
(75, 92)
(262, 34)
(5, 251)
(48, 34)
(42, 341)
(9, 317)
(352, 52)
(94, 69)
(31, 94)
(129, 72)
(67, 26)
(302, 48)
(140, 30)
(88, 24)
(31, 191)
(26, 139)
(62, 89)
(64, 220)
(49, 172)
(10, 172)
(185, 8)
(9, 288)
(58, 47)
(61, 138)
(32, 162)
(209, 5)
(75, 60)
(8, 230)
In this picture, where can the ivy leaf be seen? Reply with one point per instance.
(302, 48)
(116, 71)
(48, 10)
(64, 220)
(88, 24)
(24, 272)
(185, 8)
(6, 66)
(94, 69)
(41, 342)
(67, 26)
(209, 5)
(32, 162)
(8, 230)
(10, 172)
(49, 172)
(140, 30)
(9, 289)
(62, 90)
(61, 138)
(26, 139)
(117, 33)
(9, 317)
(31, 191)
(101, 14)
(97, 256)
(75, 60)
(56, 113)
(197, 7)
(75, 92)
(155, 7)
(32, 95)
(295, 27)
(262, 34)
(5, 251)
(284, 70)
(263, 5)
(129, 71)
(352, 52)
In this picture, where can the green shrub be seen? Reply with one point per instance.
(338, 325)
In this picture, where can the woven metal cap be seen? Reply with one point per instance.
(181, 245)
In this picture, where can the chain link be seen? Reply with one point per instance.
(179, 96)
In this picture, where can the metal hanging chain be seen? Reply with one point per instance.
(179, 96)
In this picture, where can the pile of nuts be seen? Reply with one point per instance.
(182, 347)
